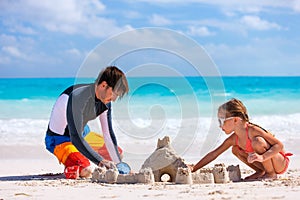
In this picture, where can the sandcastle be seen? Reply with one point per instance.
(165, 161)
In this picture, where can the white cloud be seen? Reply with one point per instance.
(199, 31)
(132, 14)
(4, 59)
(254, 22)
(69, 16)
(158, 20)
(15, 27)
(17, 49)
(73, 52)
(7, 40)
(296, 5)
(249, 6)
(258, 56)
(13, 51)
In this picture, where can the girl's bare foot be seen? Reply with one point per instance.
(269, 177)
(255, 176)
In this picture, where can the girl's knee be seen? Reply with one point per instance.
(260, 145)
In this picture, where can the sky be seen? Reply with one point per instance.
(53, 38)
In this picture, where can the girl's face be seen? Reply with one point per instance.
(226, 123)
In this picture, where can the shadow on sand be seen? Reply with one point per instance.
(48, 176)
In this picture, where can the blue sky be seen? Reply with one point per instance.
(52, 38)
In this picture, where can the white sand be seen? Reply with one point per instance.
(23, 176)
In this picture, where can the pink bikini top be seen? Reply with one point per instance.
(249, 148)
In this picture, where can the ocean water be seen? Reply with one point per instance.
(183, 108)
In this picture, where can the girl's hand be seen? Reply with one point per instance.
(252, 157)
(191, 167)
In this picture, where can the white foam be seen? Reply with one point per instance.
(190, 135)
(22, 131)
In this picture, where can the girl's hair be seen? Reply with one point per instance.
(114, 78)
(235, 108)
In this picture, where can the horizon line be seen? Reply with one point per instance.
(24, 77)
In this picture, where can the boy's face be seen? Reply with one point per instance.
(105, 93)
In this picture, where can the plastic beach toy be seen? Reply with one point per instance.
(123, 168)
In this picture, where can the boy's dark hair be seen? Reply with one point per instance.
(114, 78)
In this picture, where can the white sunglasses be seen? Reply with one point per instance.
(222, 120)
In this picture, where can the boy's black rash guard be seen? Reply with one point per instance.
(81, 107)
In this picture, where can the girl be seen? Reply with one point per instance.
(250, 143)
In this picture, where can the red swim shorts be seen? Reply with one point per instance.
(73, 160)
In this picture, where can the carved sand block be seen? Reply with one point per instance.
(184, 176)
(101, 175)
(164, 160)
(145, 176)
(121, 178)
(220, 173)
(130, 178)
(203, 176)
(234, 173)
(111, 176)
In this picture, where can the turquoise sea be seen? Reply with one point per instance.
(33, 97)
(182, 107)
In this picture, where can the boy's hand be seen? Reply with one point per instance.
(107, 164)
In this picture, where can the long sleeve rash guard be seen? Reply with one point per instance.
(74, 108)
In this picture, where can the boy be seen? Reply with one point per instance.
(73, 109)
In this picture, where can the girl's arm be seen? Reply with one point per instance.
(275, 145)
(215, 153)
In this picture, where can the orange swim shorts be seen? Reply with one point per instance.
(68, 155)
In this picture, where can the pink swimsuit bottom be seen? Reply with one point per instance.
(285, 155)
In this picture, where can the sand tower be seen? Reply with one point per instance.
(164, 161)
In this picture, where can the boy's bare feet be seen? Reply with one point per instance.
(86, 172)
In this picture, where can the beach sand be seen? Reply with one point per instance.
(32, 173)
